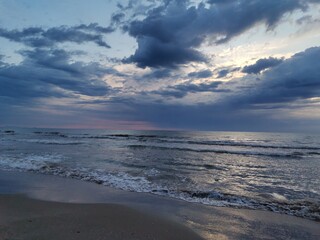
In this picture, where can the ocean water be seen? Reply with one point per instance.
(267, 171)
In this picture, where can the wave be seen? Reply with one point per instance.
(51, 164)
(55, 134)
(140, 137)
(49, 141)
(199, 166)
(178, 140)
(135, 136)
(303, 209)
(238, 144)
(4, 134)
(186, 140)
(29, 161)
(246, 153)
(8, 132)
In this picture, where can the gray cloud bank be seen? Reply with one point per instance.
(181, 90)
(50, 73)
(295, 78)
(40, 37)
(250, 108)
(170, 34)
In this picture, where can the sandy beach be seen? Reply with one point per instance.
(35, 206)
(24, 218)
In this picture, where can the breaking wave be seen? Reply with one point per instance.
(53, 165)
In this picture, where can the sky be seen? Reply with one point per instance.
(218, 65)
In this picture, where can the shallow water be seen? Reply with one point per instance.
(276, 172)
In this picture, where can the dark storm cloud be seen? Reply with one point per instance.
(39, 37)
(162, 54)
(262, 64)
(170, 34)
(50, 73)
(181, 90)
(295, 78)
(200, 74)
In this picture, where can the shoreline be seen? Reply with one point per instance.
(207, 221)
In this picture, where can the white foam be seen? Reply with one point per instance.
(29, 161)
(124, 181)
(44, 164)
(279, 197)
(152, 172)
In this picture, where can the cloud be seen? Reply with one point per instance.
(93, 27)
(225, 71)
(170, 34)
(252, 108)
(199, 117)
(220, 1)
(39, 37)
(302, 20)
(157, 74)
(251, 104)
(162, 54)
(201, 74)
(138, 8)
(295, 78)
(130, 5)
(51, 73)
(117, 18)
(1, 62)
(262, 64)
(181, 90)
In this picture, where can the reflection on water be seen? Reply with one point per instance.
(277, 172)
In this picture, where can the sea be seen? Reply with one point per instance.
(278, 172)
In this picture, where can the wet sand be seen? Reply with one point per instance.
(95, 209)
(24, 218)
